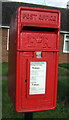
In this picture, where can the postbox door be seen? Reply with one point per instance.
(39, 82)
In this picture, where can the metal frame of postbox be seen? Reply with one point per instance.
(34, 37)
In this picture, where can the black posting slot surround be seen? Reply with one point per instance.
(33, 28)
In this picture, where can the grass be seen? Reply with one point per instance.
(62, 72)
(61, 111)
(64, 65)
(4, 68)
(63, 90)
(7, 108)
(0, 68)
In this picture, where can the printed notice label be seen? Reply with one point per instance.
(37, 78)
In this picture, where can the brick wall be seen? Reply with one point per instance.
(63, 57)
(4, 45)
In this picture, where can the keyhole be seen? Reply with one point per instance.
(25, 80)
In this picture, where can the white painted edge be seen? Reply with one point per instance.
(8, 27)
(65, 32)
(8, 39)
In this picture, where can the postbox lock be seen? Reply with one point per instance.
(25, 80)
(39, 54)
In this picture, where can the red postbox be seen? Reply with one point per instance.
(33, 59)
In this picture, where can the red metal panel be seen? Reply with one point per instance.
(53, 20)
(38, 41)
(26, 102)
(46, 18)
(32, 30)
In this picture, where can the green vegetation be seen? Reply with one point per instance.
(64, 65)
(5, 68)
(63, 90)
(7, 108)
(61, 111)
(63, 72)
(0, 68)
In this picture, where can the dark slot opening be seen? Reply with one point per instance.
(32, 28)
